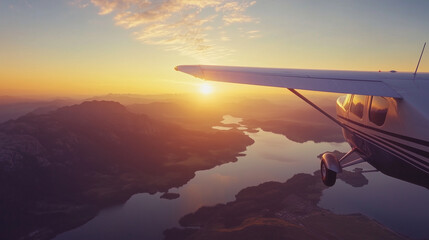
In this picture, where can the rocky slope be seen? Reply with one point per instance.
(57, 170)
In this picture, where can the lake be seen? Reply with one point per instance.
(396, 204)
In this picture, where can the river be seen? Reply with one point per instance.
(399, 205)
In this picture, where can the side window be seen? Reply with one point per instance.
(378, 110)
(358, 104)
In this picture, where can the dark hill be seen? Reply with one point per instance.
(274, 210)
(58, 169)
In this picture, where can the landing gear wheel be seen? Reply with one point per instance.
(328, 176)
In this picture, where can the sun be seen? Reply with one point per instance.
(206, 89)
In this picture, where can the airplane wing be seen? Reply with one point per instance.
(354, 82)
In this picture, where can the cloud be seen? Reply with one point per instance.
(234, 12)
(253, 34)
(187, 26)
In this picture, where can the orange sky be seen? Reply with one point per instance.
(93, 47)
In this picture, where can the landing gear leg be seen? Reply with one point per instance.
(330, 166)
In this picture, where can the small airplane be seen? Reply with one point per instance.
(384, 116)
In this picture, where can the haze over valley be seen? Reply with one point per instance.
(62, 165)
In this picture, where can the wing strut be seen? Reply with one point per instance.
(417, 68)
(316, 107)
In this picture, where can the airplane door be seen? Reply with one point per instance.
(358, 108)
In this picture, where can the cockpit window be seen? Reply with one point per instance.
(358, 104)
(378, 110)
(346, 103)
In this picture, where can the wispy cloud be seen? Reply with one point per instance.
(187, 26)
(234, 12)
(253, 34)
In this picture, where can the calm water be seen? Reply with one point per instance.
(394, 203)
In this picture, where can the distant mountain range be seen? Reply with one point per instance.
(14, 107)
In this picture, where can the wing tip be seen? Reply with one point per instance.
(194, 70)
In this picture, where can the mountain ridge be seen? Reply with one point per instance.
(92, 155)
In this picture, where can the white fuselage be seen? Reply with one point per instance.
(398, 127)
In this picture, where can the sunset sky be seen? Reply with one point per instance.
(89, 47)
